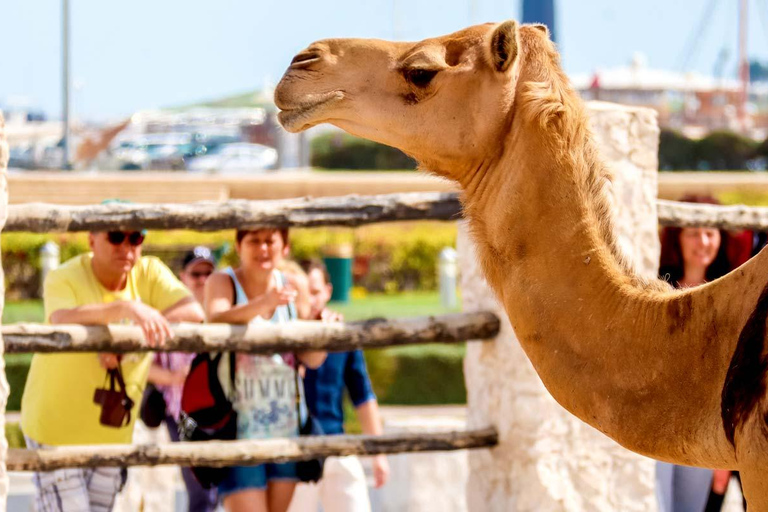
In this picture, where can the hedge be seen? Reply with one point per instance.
(389, 257)
(721, 150)
(338, 150)
(413, 375)
(418, 375)
(16, 370)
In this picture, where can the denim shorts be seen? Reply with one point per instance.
(240, 478)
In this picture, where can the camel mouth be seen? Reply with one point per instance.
(305, 114)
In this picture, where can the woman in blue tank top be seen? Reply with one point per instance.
(265, 387)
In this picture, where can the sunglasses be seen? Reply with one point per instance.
(198, 275)
(118, 237)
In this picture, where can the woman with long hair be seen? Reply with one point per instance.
(691, 257)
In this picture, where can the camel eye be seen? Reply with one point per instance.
(420, 77)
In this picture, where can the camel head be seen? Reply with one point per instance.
(447, 101)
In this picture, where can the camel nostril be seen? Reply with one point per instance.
(305, 58)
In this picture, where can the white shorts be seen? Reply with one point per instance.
(76, 489)
(342, 489)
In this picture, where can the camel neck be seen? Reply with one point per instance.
(533, 212)
(553, 270)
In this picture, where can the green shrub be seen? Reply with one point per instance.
(676, 151)
(14, 436)
(411, 375)
(16, 370)
(418, 375)
(395, 256)
(725, 151)
(719, 150)
(762, 149)
(343, 151)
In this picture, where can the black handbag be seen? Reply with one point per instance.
(114, 401)
(310, 470)
(152, 410)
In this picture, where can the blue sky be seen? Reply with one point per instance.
(141, 54)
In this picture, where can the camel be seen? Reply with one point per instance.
(677, 375)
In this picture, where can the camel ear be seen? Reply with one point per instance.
(504, 45)
(541, 28)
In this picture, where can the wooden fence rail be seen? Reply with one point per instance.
(227, 453)
(736, 217)
(349, 211)
(263, 338)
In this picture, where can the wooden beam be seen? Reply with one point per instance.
(227, 453)
(255, 338)
(348, 211)
(735, 217)
(352, 210)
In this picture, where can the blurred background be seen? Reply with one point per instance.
(188, 86)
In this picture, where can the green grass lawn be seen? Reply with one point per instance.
(375, 305)
(393, 306)
(23, 311)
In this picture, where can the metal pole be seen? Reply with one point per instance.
(743, 64)
(65, 81)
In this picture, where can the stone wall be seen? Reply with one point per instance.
(547, 459)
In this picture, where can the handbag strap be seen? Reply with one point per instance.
(116, 374)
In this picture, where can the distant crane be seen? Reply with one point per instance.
(743, 62)
(743, 56)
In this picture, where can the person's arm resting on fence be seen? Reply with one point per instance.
(366, 407)
(165, 291)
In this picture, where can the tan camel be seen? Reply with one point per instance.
(674, 375)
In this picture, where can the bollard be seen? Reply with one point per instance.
(338, 261)
(447, 273)
(50, 257)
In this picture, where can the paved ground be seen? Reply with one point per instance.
(395, 418)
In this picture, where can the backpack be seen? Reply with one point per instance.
(206, 412)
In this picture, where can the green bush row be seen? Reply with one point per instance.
(16, 370)
(722, 150)
(338, 150)
(413, 375)
(393, 257)
(418, 375)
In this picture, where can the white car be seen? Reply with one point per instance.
(236, 157)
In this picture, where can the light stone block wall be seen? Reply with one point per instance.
(547, 459)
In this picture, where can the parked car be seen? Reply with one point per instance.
(152, 151)
(237, 157)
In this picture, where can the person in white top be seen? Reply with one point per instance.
(265, 387)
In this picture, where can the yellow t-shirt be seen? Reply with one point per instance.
(57, 407)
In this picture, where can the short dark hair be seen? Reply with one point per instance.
(308, 265)
(242, 233)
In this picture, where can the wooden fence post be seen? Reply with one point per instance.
(3, 381)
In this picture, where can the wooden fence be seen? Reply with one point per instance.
(345, 211)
